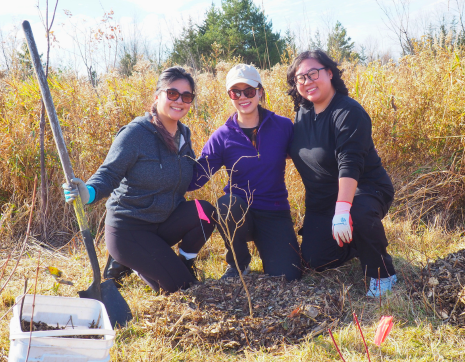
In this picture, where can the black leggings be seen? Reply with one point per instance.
(147, 250)
(272, 232)
(369, 243)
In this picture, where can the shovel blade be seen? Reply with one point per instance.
(117, 308)
(93, 292)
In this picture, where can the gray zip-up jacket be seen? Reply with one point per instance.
(145, 180)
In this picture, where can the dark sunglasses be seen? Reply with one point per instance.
(173, 95)
(249, 92)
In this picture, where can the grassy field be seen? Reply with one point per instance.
(417, 109)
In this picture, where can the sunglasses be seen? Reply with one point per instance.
(173, 95)
(249, 92)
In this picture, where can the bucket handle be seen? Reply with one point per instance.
(63, 333)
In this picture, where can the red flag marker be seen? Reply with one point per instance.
(383, 330)
(200, 211)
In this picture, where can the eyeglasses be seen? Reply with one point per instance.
(249, 92)
(173, 95)
(313, 74)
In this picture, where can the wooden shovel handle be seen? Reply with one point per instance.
(62, 151)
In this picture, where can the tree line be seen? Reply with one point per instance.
(236, 29)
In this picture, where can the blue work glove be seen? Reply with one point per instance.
(87, 192)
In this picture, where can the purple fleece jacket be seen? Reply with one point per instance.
(261, 173)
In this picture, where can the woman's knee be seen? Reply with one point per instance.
(231, 204)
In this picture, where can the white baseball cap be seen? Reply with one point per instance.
(243, 73)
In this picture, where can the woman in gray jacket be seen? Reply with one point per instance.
(146, 174)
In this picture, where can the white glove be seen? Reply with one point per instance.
(72, 193)
(342, 223)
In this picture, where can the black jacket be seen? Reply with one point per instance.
(337, 144)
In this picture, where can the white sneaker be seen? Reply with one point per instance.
(381, 286)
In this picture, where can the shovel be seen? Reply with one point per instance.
(107, 293)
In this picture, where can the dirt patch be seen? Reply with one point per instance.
(216, 313)
(444, 287)
(38, 326)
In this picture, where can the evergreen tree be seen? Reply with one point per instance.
(238, 28)
(339, 45)
(317, 43)
(25, 60)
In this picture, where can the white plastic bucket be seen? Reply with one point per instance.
(47, 346)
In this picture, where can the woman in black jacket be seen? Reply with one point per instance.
(146, 174)
(348, 191)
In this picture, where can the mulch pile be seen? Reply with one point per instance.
(444, 287)
(216, 313)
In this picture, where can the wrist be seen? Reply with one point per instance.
(91, 194)
(342, 207)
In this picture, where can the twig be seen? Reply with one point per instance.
(9, 310)
(363, 338)
(5, 264)
(335, 344)
(221, 222)
(379, 287)
(26, 237)
(33, 306)
(22, 302)
(246, 339)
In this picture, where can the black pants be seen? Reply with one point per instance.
(369, 243)
(148, 249)
(272, 232)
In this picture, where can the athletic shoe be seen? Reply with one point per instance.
(381, 286)
(190, 265)
(232, 272)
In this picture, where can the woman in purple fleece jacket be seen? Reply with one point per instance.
(253, 143)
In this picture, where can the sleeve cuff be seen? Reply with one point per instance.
(348, 172)
(91, 194)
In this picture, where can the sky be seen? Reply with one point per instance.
(161, 20)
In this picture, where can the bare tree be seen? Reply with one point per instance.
(460, 9)
(371, 49)
(3, 45)
(398, 21)
(43, 176)
(8, 48)
(96, 45)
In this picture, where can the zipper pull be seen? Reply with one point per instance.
(161, 166)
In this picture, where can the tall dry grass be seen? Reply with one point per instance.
(416, 105)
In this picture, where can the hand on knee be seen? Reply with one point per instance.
(342, 223)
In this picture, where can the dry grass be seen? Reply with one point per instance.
(418, 334)
(418, 122)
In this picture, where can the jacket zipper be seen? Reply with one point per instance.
(180, 174)
(239, 129)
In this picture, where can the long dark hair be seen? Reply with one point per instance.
(321, 57)
(167, 77)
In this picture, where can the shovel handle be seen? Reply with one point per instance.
(62, 151)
